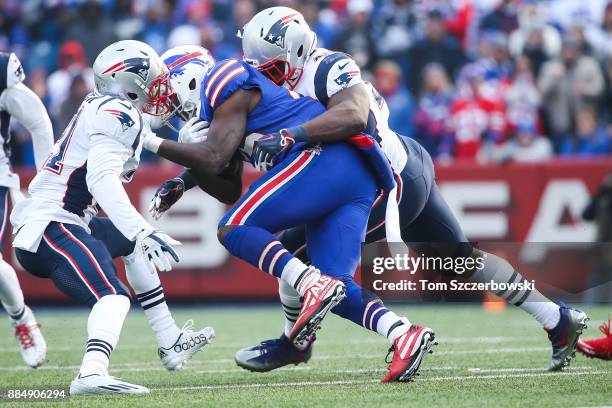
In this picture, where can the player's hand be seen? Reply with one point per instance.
(166, 195)
(157, 249)
(194, 131)
(268, 149)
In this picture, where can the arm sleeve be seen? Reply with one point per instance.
(104, 167)
(27, 108)
(336, 72)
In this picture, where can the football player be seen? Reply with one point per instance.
(242, 107)
(19, 102)
(280, 44)
(59, 237)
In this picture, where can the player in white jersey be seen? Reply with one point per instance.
(59, 237)
(280, 44)
(19, 102)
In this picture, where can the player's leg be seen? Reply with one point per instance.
(437, 224)
(409, 341)
(82, 268)
(298, 191)
(150, 295)
(32, 345)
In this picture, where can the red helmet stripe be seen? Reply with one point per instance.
(184, 58)
(117, 65)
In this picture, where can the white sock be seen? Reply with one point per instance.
(11, 295)
(496, 269)
(290, 301)
(150, 295)
(299, 275)
(103, 330)
(392, 326)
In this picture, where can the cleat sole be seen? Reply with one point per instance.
(426, 348)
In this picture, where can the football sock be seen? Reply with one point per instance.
(11, 295)
(392, 326)
(103, 330)
(263, 250)
(533, 302)
(291, 303)
(150, 295)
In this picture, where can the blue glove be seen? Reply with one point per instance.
(169, 193)
(271, 149)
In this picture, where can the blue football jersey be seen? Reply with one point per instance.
(277, 109)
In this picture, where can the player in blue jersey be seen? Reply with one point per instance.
(242, 107)
(280, 44)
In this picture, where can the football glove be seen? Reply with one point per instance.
(270, 149)
(157, 249)
(194, 131)
(166, 195)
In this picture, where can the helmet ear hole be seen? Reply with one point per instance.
(132, 96)
(192, 84)
(300, 51)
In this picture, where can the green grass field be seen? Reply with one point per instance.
(509, 348)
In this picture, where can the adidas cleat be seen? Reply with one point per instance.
(326, 293)
(565, 335)
(409, 349)
(598, 348)
(32, 345)
(186, 345)
(100, 384)
(272, 354)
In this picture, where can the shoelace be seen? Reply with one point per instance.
(605, 328)
(22, 332)
(188, 326)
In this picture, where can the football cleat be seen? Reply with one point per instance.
(326, 293)
(598, 348)
(565, 335)
(272, 354)
(186, 345)
(408, 350)
(32, 345)
(99, 384)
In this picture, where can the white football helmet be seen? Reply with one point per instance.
(132, 70)
(278, 42)
(187, 66)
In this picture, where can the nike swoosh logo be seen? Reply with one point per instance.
(343, 66)
(128, 106)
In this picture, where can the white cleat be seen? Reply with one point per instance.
(186, 345)
(32, 344)
(101, 384)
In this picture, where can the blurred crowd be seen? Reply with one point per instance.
(486, 80)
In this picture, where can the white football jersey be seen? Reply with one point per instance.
(327, 73)
(98, 151)
(19, 102)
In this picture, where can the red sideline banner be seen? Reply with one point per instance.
(514, 202)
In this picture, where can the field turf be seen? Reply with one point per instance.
(484, 359)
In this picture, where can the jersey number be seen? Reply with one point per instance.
(55, 163)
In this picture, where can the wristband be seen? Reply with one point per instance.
(298, 133)
(187, 179)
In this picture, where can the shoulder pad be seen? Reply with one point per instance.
(335, 72)
(11, 71)
(224, 78)
(117, 118)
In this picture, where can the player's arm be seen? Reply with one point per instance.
(225, 187)
(105, 161)
(27, 108)
(346, 114)
(224, 137)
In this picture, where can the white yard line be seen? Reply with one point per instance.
(356, 382)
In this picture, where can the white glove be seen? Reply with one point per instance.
(194, 131)
(157, 249)
(150, 140)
